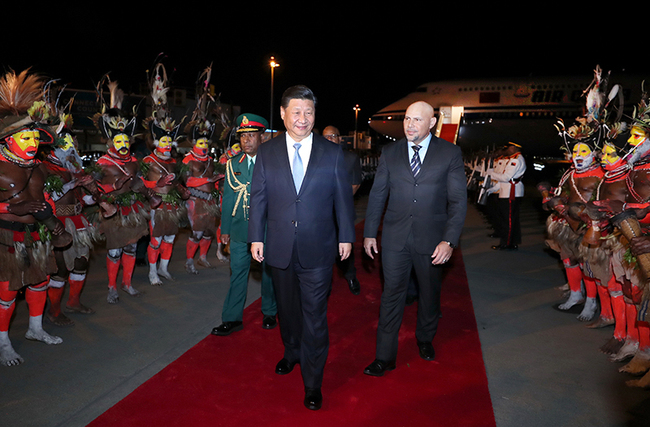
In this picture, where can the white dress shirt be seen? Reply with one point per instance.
(424, 147)
(304, 151)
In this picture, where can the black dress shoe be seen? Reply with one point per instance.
(284, 367)
(269, 322)
(426, 350)
(313, 399)
(378, 367)
(505, 247)
(355, 286)
(227, 328)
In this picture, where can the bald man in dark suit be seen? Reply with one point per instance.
(423, 179)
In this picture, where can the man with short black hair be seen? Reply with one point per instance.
(300, 197)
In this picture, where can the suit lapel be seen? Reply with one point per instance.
(282, 157)
(429, 160)
(405, 159)
(314, 159)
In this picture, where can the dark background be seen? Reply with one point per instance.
(353, 55)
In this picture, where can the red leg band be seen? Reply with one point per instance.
(36, 296)
(128, 264)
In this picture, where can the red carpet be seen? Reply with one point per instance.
(230, 381)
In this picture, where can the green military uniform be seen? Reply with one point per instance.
(234, 222)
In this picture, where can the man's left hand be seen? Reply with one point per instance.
(441, 254)
(345, 249)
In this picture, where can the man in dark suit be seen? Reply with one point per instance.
(424, 176)
(301, 195)
(353, 165)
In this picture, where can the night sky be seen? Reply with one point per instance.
(356, 57)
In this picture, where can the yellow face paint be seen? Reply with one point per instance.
(121, 144)
(637, 136)
(581, 150)
(165, 145)
(610, 156)
(24, 144)
(201, 146)
(68, 142)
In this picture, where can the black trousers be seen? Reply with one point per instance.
(301, 296)
(397, 267)
(510, 227)
(492, 213)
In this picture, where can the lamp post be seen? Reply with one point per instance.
(356, 117)
(273, 64)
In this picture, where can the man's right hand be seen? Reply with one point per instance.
(119, 183)
(27, 207)
(225, 238)
(370, 246)
(257, 251)
(166, 180)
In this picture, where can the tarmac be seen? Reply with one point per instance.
(544, 367)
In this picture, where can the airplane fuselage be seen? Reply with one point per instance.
(500, 110)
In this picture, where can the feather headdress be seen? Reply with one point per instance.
(641, 116)
(592, 127)
(22, 105)
(199, 125)
(160, 123)
(111, 121)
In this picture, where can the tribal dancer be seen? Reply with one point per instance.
(636, 287)
(601, 248)
(571, 232)
(200, 177)
(162, 178)
(566, 230)
(26, 257)
(71, 189)
(611, 253)
(121, 182)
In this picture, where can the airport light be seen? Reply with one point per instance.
(356, 117)
(273, 64)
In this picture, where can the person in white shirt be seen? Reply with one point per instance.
(511, 191)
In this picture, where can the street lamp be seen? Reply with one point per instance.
(273, 64)
(356, 117)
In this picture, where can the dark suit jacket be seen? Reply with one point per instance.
(353, 164)
(310, 217)
(433, 207)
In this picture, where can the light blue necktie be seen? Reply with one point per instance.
(298, 171)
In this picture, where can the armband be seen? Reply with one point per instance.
(106, 188)
(4, 208)
(149, 184)
(196, 182)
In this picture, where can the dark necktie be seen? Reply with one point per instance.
(415, 161)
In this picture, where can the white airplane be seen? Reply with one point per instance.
(489, 113)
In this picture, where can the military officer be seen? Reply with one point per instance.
(234, 229)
